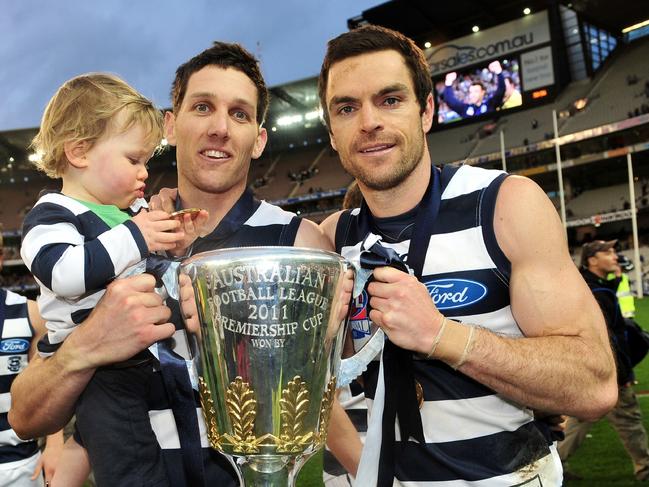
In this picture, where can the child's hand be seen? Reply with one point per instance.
(193, 225)
(159, 230)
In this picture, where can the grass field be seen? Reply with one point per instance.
(601, 460)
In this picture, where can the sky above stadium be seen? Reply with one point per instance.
(42, 44)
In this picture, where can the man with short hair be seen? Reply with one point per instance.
(219, 104)
(598, 260)
(491, 321)
(477, 101)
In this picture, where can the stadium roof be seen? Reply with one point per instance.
(438, 22)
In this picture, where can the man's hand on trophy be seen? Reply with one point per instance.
(188, 304)
(346, 297)
(342, 309)
(402, 307)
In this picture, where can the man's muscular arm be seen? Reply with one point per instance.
(310, 235)
(124, 323)
(343, 439)
(567, 361)
(564, 363)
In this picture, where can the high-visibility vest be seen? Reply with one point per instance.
(625, 297)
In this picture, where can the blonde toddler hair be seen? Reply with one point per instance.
(81, 111)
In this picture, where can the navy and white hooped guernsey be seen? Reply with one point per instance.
(473, 436)
(73, 255)
(16, 334)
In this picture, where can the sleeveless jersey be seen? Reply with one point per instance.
(249, 223)
(16, 335)
(473, 436)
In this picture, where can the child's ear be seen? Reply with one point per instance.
(75, 152)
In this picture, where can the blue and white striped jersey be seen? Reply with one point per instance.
(74, 254)
(473, 436)
(16, 334)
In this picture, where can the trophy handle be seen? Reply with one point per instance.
(352, 367)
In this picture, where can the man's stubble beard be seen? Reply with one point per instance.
(402, 169)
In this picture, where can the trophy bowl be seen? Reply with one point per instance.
(267, 351)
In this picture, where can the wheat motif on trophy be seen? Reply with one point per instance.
(242, 409)
(294, 405)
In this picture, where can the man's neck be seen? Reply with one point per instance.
(217, 204)
(402, 198)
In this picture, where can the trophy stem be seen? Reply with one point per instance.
(269, 471)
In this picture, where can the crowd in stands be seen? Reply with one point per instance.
(303, 175)
(643, 108)
(260, 182)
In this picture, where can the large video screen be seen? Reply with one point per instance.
(479, 90)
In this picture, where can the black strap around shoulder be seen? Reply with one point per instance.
(289, 232)
(342, 229)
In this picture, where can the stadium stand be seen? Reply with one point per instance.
(284, 174)
(330, 175)
(610, 98)
(604, 200)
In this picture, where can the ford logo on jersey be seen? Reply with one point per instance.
(14, 345)
(455, 293)
(359, 318)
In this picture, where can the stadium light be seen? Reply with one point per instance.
(274, 129)
(581, 103)
(635, 26)
(313, 115)
(289, 120)
(475, 28)
(527, 11)
(427, 45)
(35, 157)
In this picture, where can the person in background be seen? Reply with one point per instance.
(21, 326)
(513, 97)
(478, 101)
(598, 260)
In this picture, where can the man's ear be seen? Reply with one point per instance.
(427, 116)
(170, 128)
(332, 140)
(260, 143)
(75, 152)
